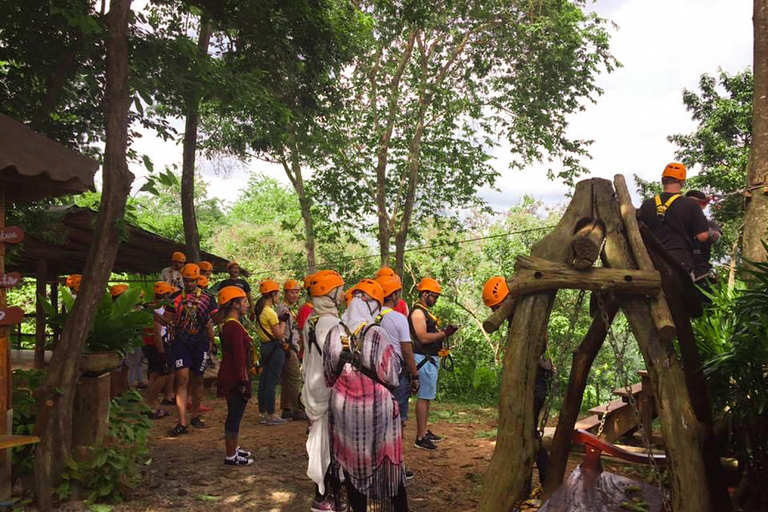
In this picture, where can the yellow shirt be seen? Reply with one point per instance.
(267, 319)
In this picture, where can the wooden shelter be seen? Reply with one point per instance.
(656, 297)
(31, 167)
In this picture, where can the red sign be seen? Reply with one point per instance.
(11, 280)
(11, 235)
(11, 316)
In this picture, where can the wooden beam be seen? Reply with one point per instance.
(40, 288)
(587, 244)
(662, 317)
(680, 428)
(502, 314)
(536, 275)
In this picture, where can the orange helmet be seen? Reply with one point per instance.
(268, 286)
(389, 284)
(118, 290)
(202, 281)
(206, 265)
(674, 170)
(495, 291)
(370, 288)
(307, 281)
(73, 281)
(291, 284)
(179, 256)
(324, 281)
(228, 293)
(190, 271)
(231, 264)
(428, 284)
(161, 288)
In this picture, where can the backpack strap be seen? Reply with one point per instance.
(313, 335)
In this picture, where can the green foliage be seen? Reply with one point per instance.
(25, 383)
(117, 325)
(110, 470)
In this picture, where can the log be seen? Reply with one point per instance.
(587, 243)
(512, 463)
(680, 428)
(583, 358)
(662, 317)
(90, 412)
(536, 275)
(505, 311)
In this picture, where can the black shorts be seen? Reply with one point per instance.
(154, 359)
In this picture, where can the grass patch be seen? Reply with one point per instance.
(487, 434)
(462, 413)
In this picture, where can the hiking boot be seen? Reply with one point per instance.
(271, 422)
(287, 414)
(432, 437)
(237, 460)
(425, 444)
(197, 422)
(178, 430)
(243, 453)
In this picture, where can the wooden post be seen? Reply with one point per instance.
(662, 317)
(42, 277)
(55, 302)
(587, 244)
(498, 317)
(681, 430)
(90, 418)
(583, 358)
(512, 463)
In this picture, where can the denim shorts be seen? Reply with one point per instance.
(427, 377)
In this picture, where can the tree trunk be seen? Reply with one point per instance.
(733, 264)
(583, 358)
(414, 163)
(382, 155)
(756, 214)
(191, 234)
(512, 463)
(293, 171)
(55, 426)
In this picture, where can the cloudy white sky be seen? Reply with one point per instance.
(664, 45)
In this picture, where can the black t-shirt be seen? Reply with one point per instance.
(239, 282)
(678, 228)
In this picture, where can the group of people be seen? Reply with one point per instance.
(347, 362)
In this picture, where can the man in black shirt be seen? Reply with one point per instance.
(235, 280)
(677, 221)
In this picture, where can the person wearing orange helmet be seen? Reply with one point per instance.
(326, 288)
(271, 329)
(73, 283)
(206, 269)
(401, 306)
(676, 220)
(233, 379)
(192, 311)
(362, 368)
(304, 312)
(235, 279)
(427, 339)
(290, 380)
(156, 349)
(172, 274)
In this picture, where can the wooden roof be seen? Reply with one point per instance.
(142, 252)
(33, 166)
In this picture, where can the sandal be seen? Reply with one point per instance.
(197, 422)
(178, 430)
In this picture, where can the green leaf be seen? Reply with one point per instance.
(208, 497)
(148, 163)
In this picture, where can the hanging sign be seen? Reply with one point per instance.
(11, 316)
(11, 280)
(11, 235)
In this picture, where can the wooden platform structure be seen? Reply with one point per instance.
(658, 299)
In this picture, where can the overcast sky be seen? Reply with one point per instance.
(664, 46)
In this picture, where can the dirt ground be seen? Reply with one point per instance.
(188, 472)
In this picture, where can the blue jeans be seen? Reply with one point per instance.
(272, 360)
